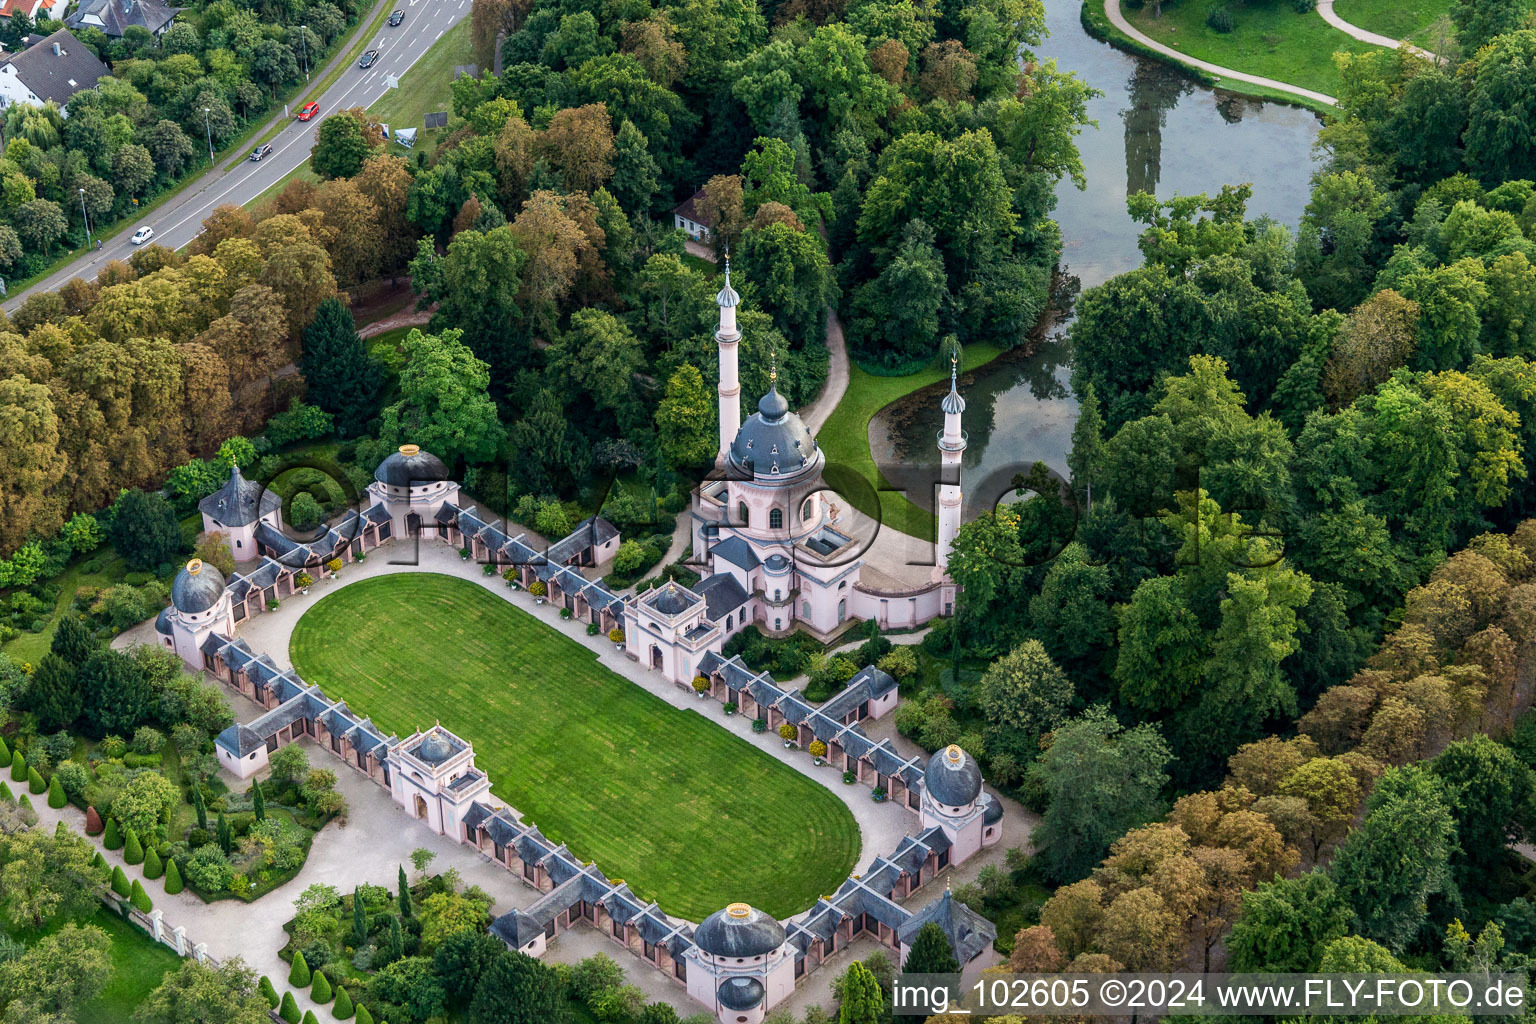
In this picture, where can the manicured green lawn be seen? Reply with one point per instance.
(138, 965)
(1268, 39)
(1399, 19)
(424, 89)
(845, 439)
(687, 813)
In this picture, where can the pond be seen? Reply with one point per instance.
(1158, 131)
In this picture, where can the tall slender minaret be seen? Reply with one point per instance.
(728, 338)
(951, 447)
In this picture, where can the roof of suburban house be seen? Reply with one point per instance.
(57, 76)
(115, 16)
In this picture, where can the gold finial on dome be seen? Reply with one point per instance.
(773, 368)
(953, 754)
(738, 910)
(194, 567)
(410, 449)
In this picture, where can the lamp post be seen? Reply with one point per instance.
(86, 214)
(209, 129)
(304, 48)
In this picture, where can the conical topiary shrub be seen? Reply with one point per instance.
(113, 840)
(35, 781)
(310, 1018)
(18, 767)
(154, 867)
(93, 825)
(343, 1009)
(56, 797)
(321, 991)
(298, 974)
(290, 1009)
(120, 882)
(363, 1016)
(173, 884)
(139, 898)
(5, 752)
(266, 991)
(25, 801)
(6, 794)
(133, 850)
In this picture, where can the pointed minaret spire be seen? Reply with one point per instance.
(727, 338)
(951, 448)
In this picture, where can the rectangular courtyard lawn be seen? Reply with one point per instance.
(687, 813)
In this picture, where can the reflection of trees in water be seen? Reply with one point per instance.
(1154, 90)
(1232, 106)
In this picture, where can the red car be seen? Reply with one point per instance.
(308, 111)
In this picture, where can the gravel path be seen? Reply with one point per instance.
(1325, 8)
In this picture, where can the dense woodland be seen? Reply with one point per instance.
(142, 130)
(1278, 620)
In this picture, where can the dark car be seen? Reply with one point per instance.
(261, 152)
(396, 18)
(369, 59)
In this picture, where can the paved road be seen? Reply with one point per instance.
(1112, 11)
(178, 221)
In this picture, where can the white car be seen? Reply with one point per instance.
(143, 235)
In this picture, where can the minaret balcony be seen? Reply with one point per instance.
(946, 445)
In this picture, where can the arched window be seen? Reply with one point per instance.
(807, 510)
(776, 519)
(805, 609)
(743, 513)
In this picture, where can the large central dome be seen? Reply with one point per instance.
(774, 443)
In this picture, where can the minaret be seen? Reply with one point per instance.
(728, 338)
(951, 447)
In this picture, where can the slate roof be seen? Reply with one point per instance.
(736, 551)
(240, 502)
(968, 932)
(507, 550)
(591, 532)
(774, 442)
(722, 595)
(57, 77)
(115, 16)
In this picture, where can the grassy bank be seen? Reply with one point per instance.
(1271, 40)
(845, 438)
(1400, 19)
(424, 89)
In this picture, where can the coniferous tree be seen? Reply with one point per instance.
(290, 1009)
(405, 895)
(173, 882)
(1086, 460)
(35, 783)
(225, 836)
(359, 918)
(5, 752)
(56, 797)
(54, 694)
(267, 992)
(258, 803)
(19, 767)
(120, 882)
(344, 379)
(396, 939)
(298, 973)
(931, 952)
(113, 840)
(145, 530)
(139, 898)
(343, 1009)
(154, 867)
(862, 1000)
(363, 1016)
(202, 808)
(321, 991)
(74, 641)
(133, 850)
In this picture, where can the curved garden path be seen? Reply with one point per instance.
(1325, 8)
(1116, 18)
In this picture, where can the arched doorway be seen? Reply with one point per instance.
(421, 807)
(842, 609)
(412, 525)
(655, 657)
